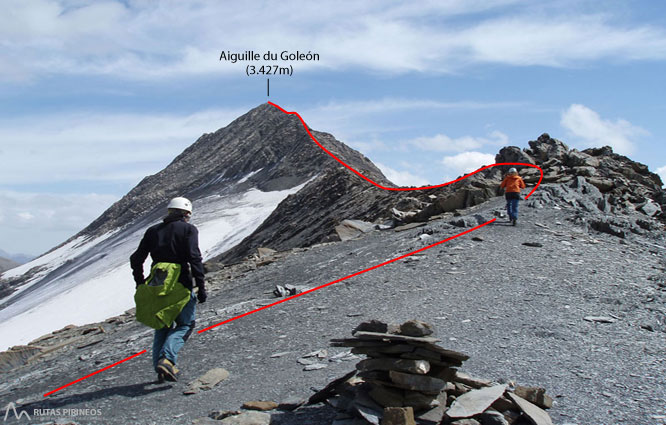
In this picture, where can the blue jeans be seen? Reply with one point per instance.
(168, 341)
(512, 208)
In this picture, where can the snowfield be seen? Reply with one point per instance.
(90, 280)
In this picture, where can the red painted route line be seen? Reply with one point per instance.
(354, 274)
(347, 277)
(408, 188)
(94, 373)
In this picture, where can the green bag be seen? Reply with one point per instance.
(162, 297)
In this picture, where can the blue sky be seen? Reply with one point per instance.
(98, 94)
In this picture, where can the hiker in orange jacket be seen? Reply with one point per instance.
(512, 184)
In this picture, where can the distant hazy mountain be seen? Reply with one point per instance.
(17, 258)
(6, 264)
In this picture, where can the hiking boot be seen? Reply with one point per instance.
(160, 378)
(513, 222)
(167, 369)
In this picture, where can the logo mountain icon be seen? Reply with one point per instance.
(17, 415)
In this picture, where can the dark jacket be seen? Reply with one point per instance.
(172, 241)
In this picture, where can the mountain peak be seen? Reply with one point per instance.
(265, 148)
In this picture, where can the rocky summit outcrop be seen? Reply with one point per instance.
(615, 194)
(619, 196)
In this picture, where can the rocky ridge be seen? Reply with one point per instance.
(532, 316)
(624, 197)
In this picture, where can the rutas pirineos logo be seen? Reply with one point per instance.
(12, 407)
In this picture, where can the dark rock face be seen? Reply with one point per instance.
(513, 154)
(310, 215)
(545, 148)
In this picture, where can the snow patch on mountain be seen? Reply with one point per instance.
(101, 286)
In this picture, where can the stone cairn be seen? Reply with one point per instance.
(407, 379)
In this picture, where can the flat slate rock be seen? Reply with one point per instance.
(435, 415)
(410, 226)
(425, 384)
(445, 352)
(369, 414)
(420, 367)
(394, 337)
(466, 379)
(207, 381)
(537, 415)
(260, 405)
(416, 328)
(475, 402)
(599, 319)
(398, 416)
(533, 244)
(247, 418)
(329, 390)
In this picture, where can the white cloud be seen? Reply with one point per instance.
(586, 124)
(466, 162)
(402, 178)
(25, 216)
(444, 143)
(36, 222)
(147, 40)
(70, 147)
(367, 125)
(662, 173)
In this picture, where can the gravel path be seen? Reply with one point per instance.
(517, 310)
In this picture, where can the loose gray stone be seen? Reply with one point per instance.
(537, 415)
(207, 381)
(599, 319)
(475, 402)
(435, 415)
(398, 416)
(420, 367)
(466, 379)
(535, 395)
(260, 405)
(369, 414)
(247, 418)
(315, 366)
(205, 421)
(421, 383)
(533, 244)
(416, 328)
(492, 417)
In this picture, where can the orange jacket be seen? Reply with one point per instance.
(513, 183)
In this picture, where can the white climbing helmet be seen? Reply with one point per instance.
(513, 170)
(180, 204)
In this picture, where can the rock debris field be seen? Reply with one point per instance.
(549, 303)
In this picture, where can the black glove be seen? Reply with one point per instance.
(201, 295)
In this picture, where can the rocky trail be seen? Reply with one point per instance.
(551, 302)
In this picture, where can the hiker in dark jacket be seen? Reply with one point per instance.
(174, 240)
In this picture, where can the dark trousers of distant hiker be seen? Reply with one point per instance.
(512, 199)
(168, 341)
